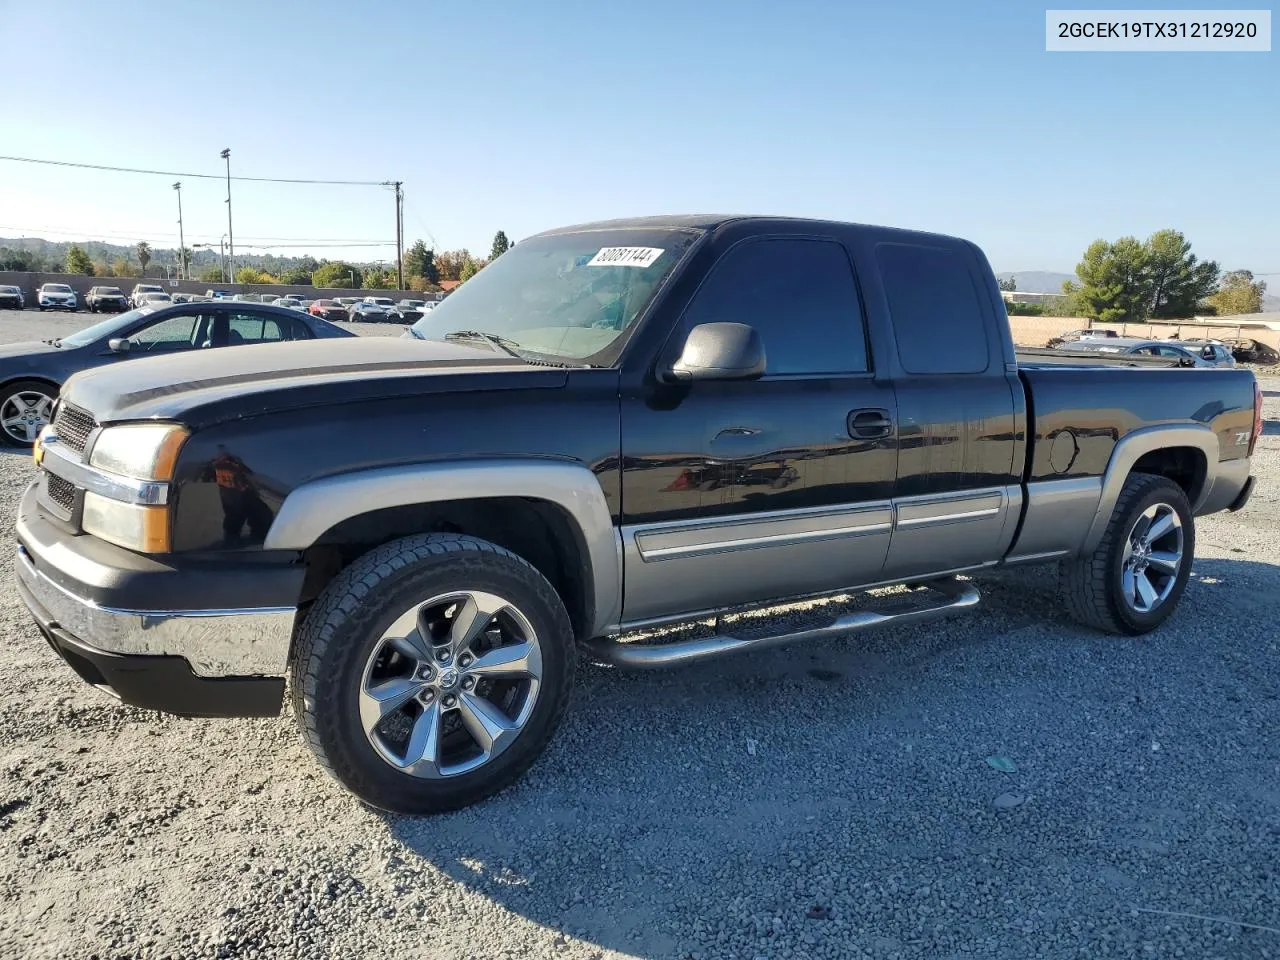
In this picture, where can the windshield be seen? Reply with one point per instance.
(573, 296)
(105, 329)
(57, 288)
(109, 291)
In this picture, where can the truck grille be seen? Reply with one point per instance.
(61, 492)
(73, 426)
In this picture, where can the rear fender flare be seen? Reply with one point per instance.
(1131, 448)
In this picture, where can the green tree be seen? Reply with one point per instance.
(300, 273)
(1179, 281)
(1007, 283)
(336, 276)
(500, 246)
(469, 269)
(416, 260)
(1238, 293)
(120, 267)
(254, 275)
(376, 278)
(211, 274)
(78, 261)
(143, 250)
(1115, 283)
(430, 272)
(20, 260)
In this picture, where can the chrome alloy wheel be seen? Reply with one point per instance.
(450, 684)
(1153, 556)
(24, 413)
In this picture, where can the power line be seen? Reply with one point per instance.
(295, 246)
(202, 176)
(26, 233)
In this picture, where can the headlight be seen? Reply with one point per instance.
(129, 525)
(144, 451)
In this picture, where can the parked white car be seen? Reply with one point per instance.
(135, 298)
(56, 296)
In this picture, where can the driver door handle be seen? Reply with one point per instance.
(872, 423)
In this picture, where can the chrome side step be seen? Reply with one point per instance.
(961, 598)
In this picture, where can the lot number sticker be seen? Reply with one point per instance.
(625, 257)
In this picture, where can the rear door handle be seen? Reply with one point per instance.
(870, 424)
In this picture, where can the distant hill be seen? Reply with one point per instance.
(50, 255)
(1270, 304)
(1038, 281)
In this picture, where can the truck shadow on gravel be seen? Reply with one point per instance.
(800, 796)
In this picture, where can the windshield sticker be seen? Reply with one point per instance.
(625, 257)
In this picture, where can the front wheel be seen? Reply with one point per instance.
(25, 407)
(432, 672)
(1132, 582)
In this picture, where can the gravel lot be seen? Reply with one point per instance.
(830, 800)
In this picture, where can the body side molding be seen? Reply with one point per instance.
(318, 505)
(1131, 448)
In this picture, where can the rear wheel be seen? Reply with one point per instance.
(1133, 580)
(433, 672)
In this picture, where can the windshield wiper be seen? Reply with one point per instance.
(509, 347)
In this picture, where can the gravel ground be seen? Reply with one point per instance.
(830, 800)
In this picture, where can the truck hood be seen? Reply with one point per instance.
(205, 386)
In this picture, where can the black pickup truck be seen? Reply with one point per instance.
(611, 427)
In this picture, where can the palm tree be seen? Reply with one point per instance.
(144, 255)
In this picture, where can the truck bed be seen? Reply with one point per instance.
(1101, 402)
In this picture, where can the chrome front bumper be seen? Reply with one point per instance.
(216, 643)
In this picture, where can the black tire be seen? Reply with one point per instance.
(348, 620)
(23, 386)
(1093, 586)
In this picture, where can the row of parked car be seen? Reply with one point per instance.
(104, 299)
(1191, 352)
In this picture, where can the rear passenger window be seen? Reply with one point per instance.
(799, 295)
(937, 317)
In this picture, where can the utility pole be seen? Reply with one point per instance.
(182, 247)
(231, 237)
(222, 256)
(399, 235)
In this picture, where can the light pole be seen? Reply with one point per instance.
(182, 247)
(222, 253)
(231, 237)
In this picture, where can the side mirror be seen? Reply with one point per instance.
(719, 351)
(119, 345)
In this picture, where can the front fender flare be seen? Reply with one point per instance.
(318, 505)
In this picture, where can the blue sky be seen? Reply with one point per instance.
(527, 115)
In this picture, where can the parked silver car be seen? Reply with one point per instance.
(1191, 353)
